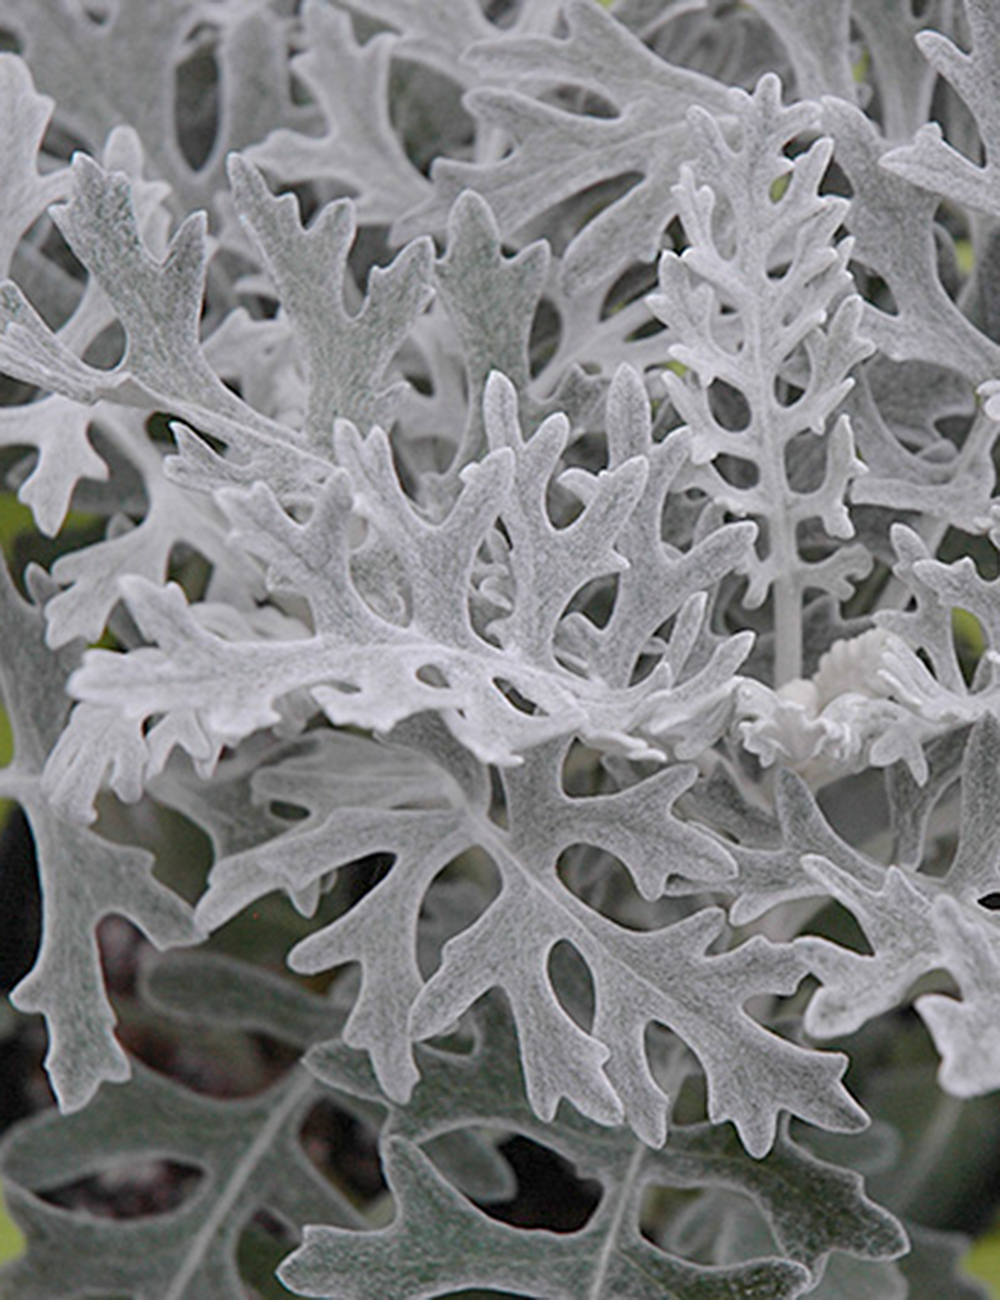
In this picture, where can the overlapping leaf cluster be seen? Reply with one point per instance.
(530, 460)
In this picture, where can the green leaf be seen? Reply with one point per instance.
(11, 1237)
(983, 1260)
(15, 519)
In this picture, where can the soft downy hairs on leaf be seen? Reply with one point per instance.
(502, 670)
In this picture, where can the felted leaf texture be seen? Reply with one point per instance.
(248, 1155)
(915, 924)
(133, 55)
(246, 1151)
(605, 1257)
(566, 640)
(82, 876)
(359, 149)
(430, 654)
(560, 154)
(931, 163)
(749, 309)
(637, 978)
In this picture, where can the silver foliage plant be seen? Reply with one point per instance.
(543, 456)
